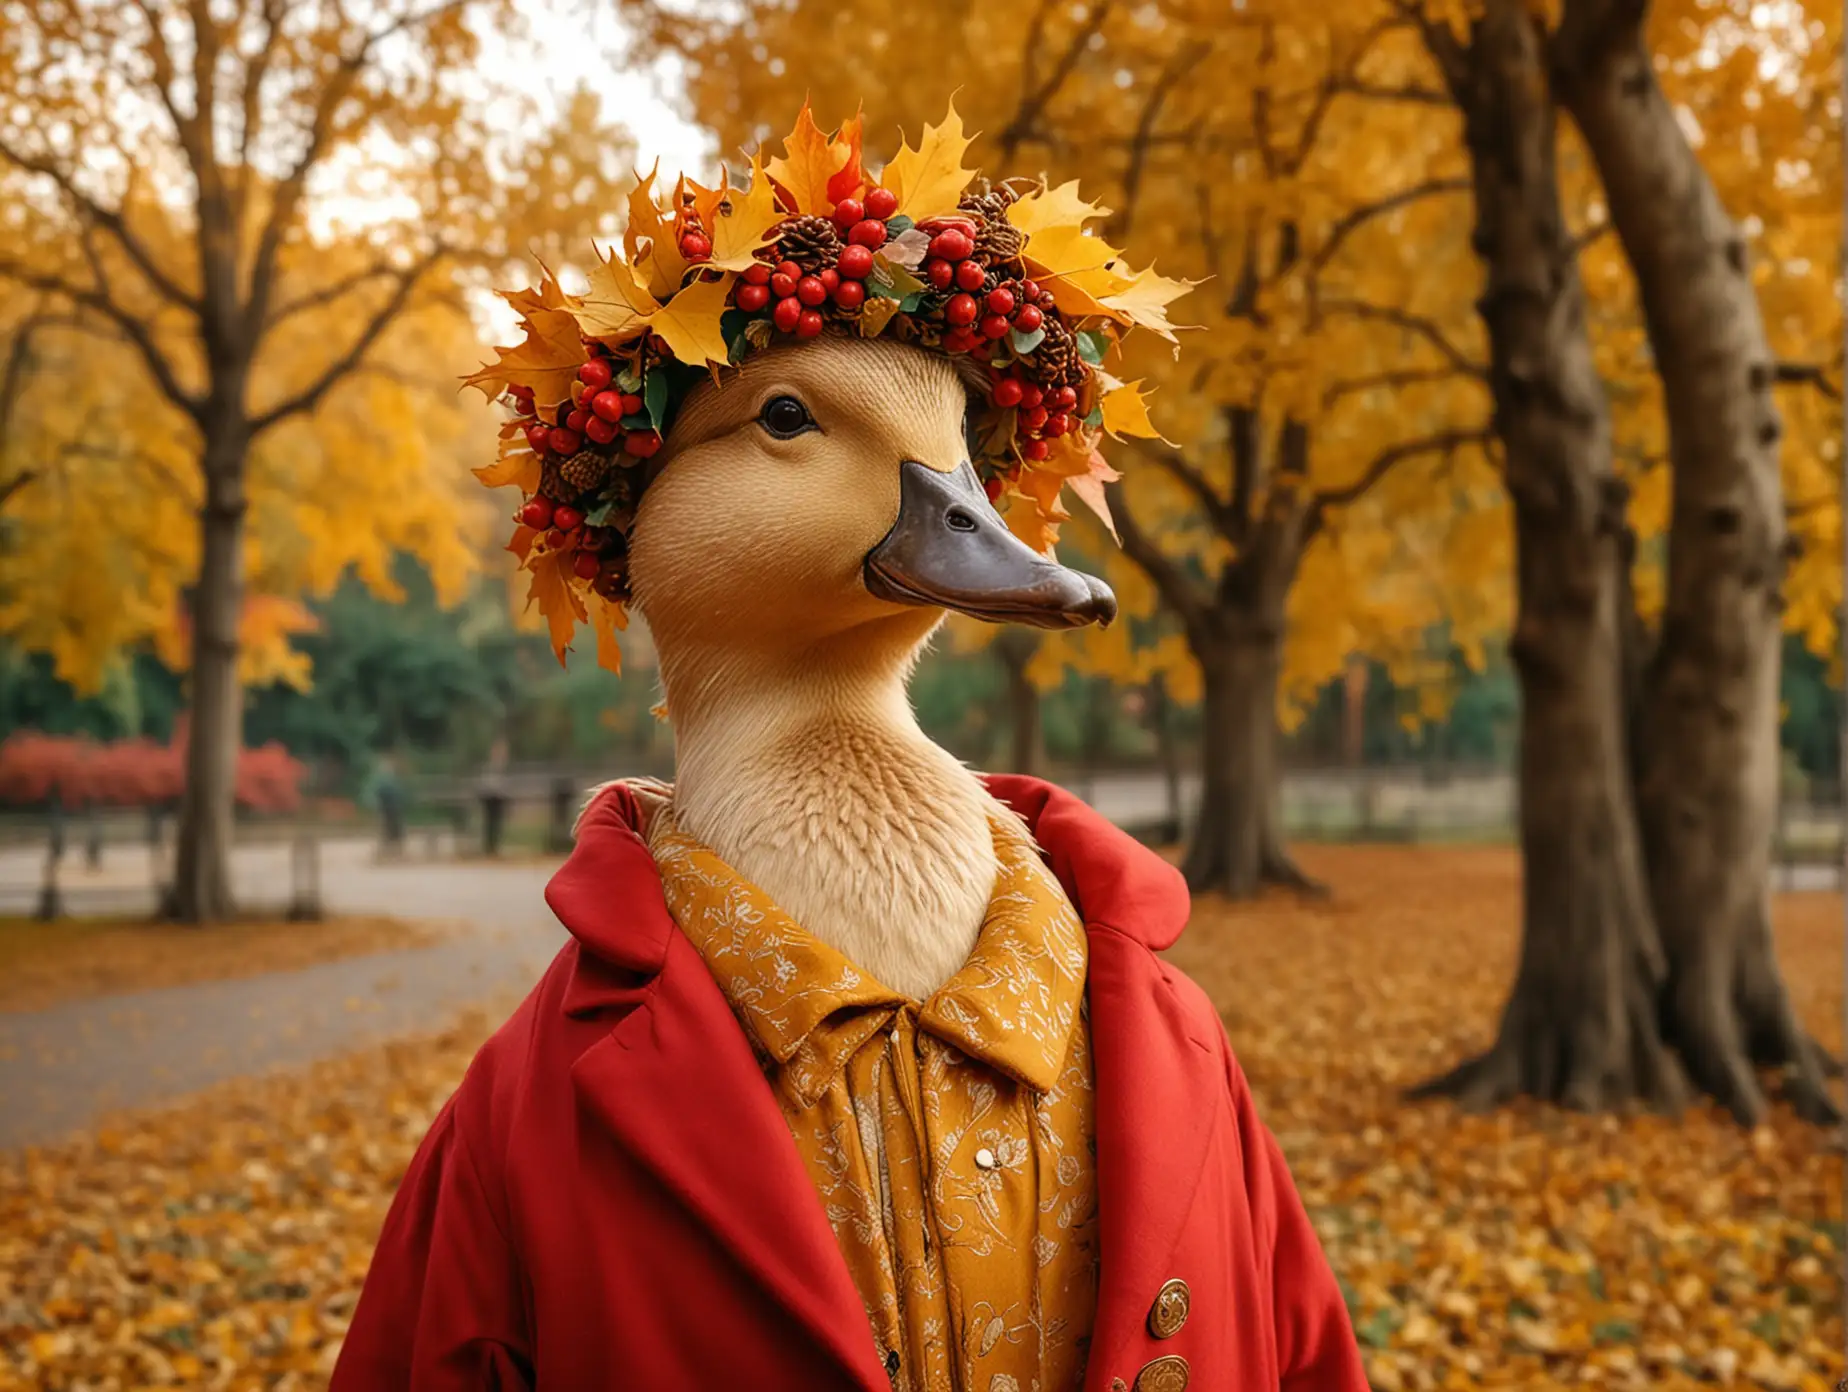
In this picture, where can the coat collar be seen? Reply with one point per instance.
(677, 1084)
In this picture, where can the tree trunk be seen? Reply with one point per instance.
(1707, 798)
(1580, 1025)
(1237, 846)
(201, 890)
(1015, 648)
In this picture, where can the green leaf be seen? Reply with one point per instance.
(892, 282)
(638, 422)
(1096, 417)
(1025, 343)
(898, 225)
(1092, 345)
(656, 398)
(910, 303)
(1614, 1332)
(628, 380)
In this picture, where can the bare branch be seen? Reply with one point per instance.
(294, 184)
(310, 396)
(1190, 476)
(332, 291)
(1034, 99)
(1356, 218)
(1806, 374)
(13, 485)
(185, 127)
(1178, 590)
(1409, 92)
(137, 333)
(87, 209)
(1414, 324)
(1183, 61)
(251, 104)
(1446, 442)
(1402, 377)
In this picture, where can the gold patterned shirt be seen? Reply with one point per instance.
(950, 1141)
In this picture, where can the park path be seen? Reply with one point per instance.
(63, 1067)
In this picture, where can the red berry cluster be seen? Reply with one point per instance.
(1042, 414)
(597, 416)
(797, 296)
(598, 554)
(794, 297)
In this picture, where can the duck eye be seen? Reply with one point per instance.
(785, 417)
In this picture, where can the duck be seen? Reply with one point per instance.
(813, 521)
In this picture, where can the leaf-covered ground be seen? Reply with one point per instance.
(221, 1244)
(42, 964)
(1526, 1248)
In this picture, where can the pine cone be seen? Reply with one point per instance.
(553, 484)
(991, 204)
(998, 245)
(584, 470)
(811, 242)
(1056, 362)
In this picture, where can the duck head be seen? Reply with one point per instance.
(824, 490)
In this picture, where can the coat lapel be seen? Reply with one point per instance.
(676, 1083)
(1154, 1123)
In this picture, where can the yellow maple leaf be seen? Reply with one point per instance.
(616, 306)
(930, 179)
(607, 617)
(753, 214)
(549, 295)
(552, 591)
(518, 465)
(1058, 207)
(1126, 413)
(547, 362)
(1033, 526)
(1079, 271)
(646, 222)
(808, 162)
(690, 322)
(1145, 300)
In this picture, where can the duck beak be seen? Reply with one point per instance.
(950, 548)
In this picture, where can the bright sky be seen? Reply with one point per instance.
(585, 48)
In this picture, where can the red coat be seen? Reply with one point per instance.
(612, 1200)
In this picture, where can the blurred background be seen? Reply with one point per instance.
(1480, 662)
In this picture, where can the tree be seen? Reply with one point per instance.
(247, 228)
(1312, 413)
(1625, 976)
(1707, 798)
(1579, 1026)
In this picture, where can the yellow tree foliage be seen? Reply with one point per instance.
(1255, 149)
(353, 265)
(249, 228)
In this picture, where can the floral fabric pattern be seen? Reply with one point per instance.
(949, 1140)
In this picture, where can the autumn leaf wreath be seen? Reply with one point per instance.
(1009, 277)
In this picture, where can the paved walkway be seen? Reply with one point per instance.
(63, 1067)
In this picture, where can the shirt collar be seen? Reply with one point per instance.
(1012, 1005)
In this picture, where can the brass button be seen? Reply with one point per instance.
(1166, 1374)
(1169, 1312)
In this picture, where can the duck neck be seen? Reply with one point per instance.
(811, 778)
